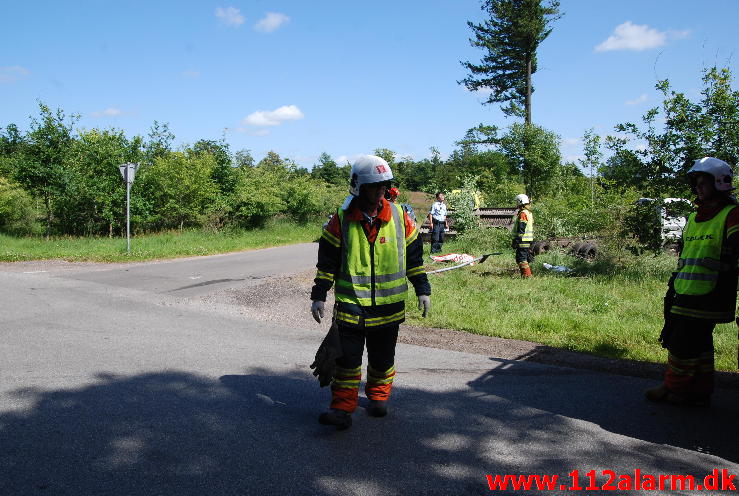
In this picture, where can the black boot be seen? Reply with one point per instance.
(341, 419)
(377, 408)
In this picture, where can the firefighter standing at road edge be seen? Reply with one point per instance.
(702, 292)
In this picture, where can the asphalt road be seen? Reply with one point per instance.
(121, 380)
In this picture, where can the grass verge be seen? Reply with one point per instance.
(155, 246)
(611, 307)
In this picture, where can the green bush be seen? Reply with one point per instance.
(178, 188)
(307, 199)
(18, 212)
(580, 214)
(257, 196)
(463, 204)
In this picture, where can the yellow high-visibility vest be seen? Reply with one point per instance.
(372, 273)
(700, 261)
(528, 234)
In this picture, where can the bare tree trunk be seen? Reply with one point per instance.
(47, 204)
(527, 124)
(110, 229)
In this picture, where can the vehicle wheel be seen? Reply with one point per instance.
(588, 251)
(536, 248)
(575, 249)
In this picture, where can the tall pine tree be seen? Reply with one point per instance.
(510, 38)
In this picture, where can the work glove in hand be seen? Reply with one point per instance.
(515, 242)
(324, 365)
(424, 303)
(316, 309)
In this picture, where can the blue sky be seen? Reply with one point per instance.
(301, 78)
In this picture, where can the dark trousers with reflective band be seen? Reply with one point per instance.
(524, 257)
(380, 370)
(690, 357)
(437, 235)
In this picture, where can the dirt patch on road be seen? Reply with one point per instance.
(286, 300)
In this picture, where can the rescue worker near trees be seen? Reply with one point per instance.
(702, 292)
(523, 235)
(367, 250)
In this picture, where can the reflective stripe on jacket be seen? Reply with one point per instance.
(700, 260)
(372, 273)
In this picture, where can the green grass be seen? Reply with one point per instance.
(611, 307)
(154, 246)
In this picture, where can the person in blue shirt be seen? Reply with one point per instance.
(439, 223)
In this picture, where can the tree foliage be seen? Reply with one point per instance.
(654, 156)
(42, 167)
(17, 209)
(534, 152)
(329, 171)
(510, 37)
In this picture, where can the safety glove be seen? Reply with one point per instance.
(316, 308)
(324, 365)
(424, 304)
(515, 242)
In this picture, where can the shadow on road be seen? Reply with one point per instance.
(616, 403)
(176, 433)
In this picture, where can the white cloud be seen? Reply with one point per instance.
(679, 35)
(271, 22)
(342, 160)
(629, 36)
(108, 112)
(191, 73)
(274, 117)
(636, 101)
(571, 141)
(230, 16)
(10, 74)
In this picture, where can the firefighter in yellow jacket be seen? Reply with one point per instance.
(523, 234)
(702, 292)
(367, 251)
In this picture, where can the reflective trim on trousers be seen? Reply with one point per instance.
(721, 316)
(379, 384)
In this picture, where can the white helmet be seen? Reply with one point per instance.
(522, 200)
(720, 170)
(368, 169)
